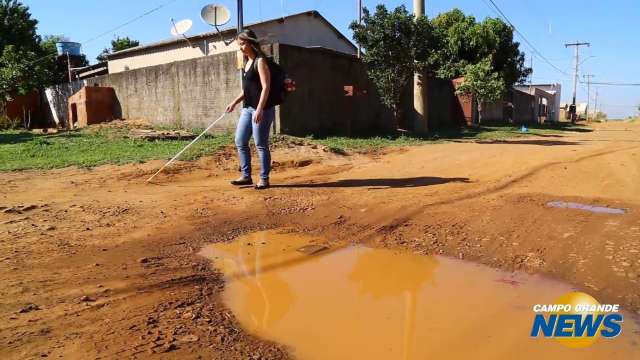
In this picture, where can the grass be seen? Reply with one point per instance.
(94, 146)
(482, 133)
(21, 150)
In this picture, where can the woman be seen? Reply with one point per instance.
(257, 114)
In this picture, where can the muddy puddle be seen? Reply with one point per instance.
(365, 303)
(586, 207)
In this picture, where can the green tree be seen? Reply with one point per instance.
(54, 68)
(395, 47)
(482, 83)
(16, 74)
(18, 48)
(17, 27)
(118, 44)
(464, 41)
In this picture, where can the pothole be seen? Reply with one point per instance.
(364, 303)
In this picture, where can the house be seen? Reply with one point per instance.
(547, 100)
(307, 29)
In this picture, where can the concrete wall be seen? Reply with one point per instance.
(551, 92)
(194, 92)
(493, 112)
(516, 107)
(444, 108)
(319, 105)
(189, 93)
(55, 100)
(523, 107)
(308, 29)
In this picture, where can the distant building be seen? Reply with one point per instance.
(307, 29)
(547, 100)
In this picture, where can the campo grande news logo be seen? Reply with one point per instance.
(577, 320)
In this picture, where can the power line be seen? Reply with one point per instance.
(623, 106)
(612, 83)
(111, 30)
(130, 21)
(496, 9)
(533, 48)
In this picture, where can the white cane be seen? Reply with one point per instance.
(186, 147)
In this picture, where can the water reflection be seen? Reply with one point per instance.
(380, 275)
(364, 303)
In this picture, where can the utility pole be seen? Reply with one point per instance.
(421, 125)
(531, 75)
(577, 45)
(588, 77)
(595, 107)
(239, 30)
(359, 23)
(240, 18)
(69, 67)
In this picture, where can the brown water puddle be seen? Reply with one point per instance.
(364, 303)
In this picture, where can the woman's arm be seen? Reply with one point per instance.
(265, 80)
(235, 102)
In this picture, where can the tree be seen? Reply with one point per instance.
(482, 83)
(17, 27)
(54, 68)
(18, 48)
(507, 57)
(16, 74)
(27, 61)
(118, 44)
(464, 41)
(395, 46)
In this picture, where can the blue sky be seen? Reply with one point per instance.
(610, 27)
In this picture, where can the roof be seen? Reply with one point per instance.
(92, 70)
(227, 31)
(534, 85)
(538, 87)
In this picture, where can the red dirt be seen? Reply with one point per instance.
(109, 263)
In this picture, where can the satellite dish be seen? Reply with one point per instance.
(215, 15)
(181, 27)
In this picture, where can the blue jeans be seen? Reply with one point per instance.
(247, 127)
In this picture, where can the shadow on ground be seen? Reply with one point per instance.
(388, 183)
(10, 138)
(529, 142)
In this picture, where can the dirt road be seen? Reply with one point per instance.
(98, 264)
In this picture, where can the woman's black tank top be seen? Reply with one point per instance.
(251, 85)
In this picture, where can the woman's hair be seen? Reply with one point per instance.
(250, 37)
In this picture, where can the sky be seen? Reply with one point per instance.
(609, 26)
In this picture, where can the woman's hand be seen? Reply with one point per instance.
(231, 107)
(258, 115)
